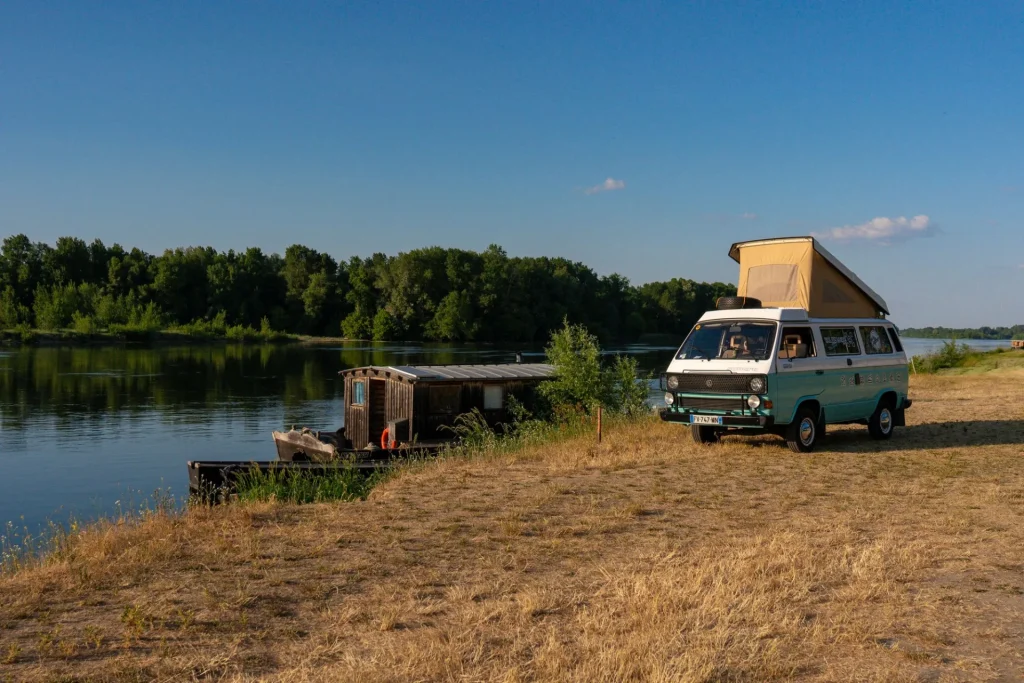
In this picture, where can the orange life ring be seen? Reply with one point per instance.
(386, 442)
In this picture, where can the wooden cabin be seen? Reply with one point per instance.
(417, 402)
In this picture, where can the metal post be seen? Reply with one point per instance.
(599, 424)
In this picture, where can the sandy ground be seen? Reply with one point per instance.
(644, 558)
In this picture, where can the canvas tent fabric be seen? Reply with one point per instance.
(797, 272)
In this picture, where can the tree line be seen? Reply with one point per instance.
(431, 293)
(1014, 332)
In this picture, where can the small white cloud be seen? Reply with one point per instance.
(883, 230)
(748, 216)
(607, 186)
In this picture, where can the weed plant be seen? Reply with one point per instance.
(341, 483)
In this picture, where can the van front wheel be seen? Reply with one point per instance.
(704, 435)
(802, 434)
(881, 422)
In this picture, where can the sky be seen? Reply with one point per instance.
(640, 138)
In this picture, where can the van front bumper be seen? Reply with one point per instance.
(742, 421)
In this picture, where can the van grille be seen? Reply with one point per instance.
(703, 403)
(715, 384)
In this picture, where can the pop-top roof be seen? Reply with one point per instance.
(792, 242)
(456, 373)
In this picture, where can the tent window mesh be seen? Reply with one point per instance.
(831, 293)
(772, 282)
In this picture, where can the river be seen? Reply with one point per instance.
(86, 431)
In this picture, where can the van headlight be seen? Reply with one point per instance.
(670, 399)
(673, 382)
(757, 385)
(754, 401)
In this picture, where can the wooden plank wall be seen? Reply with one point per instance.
(399, 406)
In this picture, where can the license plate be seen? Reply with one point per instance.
(705, 420)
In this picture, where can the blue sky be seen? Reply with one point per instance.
(639, 138)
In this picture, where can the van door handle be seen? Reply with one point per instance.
(819, 372)
(849, 361)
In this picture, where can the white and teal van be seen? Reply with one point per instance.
(780, 371)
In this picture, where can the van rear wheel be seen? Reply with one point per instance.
(803, 433)
(882, 421)
(704, 435)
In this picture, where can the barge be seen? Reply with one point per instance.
(392, 413)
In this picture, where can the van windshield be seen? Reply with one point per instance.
(729, 340)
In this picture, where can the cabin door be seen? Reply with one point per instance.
(378, 419)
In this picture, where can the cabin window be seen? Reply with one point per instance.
(445, 399)
(494, 397)
(875, 340)
(840, 341)
(358, 392)
(796, 342)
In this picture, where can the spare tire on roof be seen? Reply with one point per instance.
(730, 302)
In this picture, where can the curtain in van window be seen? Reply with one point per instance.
(875, 340)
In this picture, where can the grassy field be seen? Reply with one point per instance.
(644, 558)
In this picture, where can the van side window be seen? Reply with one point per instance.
(796, 342)
(875, 340)
(895, 339)
(840, 341)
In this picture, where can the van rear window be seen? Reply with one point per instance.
(840, 341)
(875, 340)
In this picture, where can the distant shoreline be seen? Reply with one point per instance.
(35, 338)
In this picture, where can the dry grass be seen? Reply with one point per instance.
(642, 559)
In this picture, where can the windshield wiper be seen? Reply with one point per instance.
(701, 351)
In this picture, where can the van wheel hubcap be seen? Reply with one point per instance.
(885, 420)
(806, 431)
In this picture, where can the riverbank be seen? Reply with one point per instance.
(15, 338)
(640, 558)
(959, 359)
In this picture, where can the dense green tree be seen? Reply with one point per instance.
(430, 293)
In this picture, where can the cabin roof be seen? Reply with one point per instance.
(734, 253)
(457, 373)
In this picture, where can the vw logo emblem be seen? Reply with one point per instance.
(708, 383)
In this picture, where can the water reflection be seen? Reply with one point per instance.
(80, 427)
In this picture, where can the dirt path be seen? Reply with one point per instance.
(644, 558)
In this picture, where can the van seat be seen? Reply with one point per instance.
(794, 351)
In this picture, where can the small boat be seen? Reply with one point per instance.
(307, 445)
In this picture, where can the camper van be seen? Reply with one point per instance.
(803, 345)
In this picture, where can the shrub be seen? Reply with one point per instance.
(12, 313)
(581, 384)
(951, 355)
(84, 324)
(627, 388)
(356, 326)
(577, 359)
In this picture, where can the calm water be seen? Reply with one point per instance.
(83, 430)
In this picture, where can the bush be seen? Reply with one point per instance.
(356, 326)
(578, 379)
(581, 384)
(12, 313)
(951, 355)
(83, 324)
